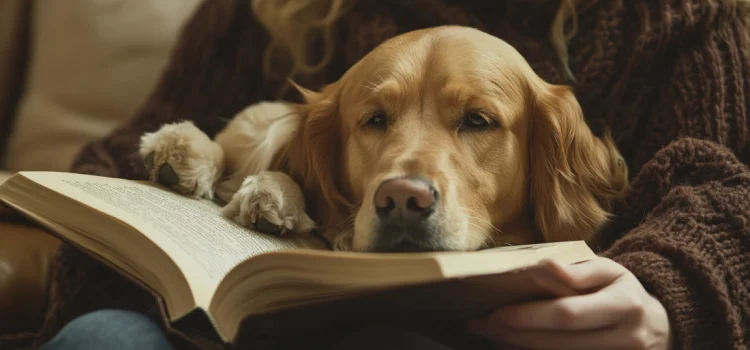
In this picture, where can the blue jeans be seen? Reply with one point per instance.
(110, 329)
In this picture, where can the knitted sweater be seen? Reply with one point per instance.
(670, 78)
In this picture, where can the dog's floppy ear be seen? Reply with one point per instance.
(574, 174)
(315, 154)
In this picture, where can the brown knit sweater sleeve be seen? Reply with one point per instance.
(704, 57)
(692, 249)
(657, 71)
(216, 70)
(684, 230)
(665, 74)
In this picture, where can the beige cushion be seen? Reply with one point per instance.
(93, 63)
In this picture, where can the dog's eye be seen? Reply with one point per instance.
(376, 120)
(474, 121)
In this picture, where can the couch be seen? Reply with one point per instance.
(70, 72)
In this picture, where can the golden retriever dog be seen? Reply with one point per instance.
(440, 139)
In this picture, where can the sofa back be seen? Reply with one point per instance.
(14, 32)
(89, 67)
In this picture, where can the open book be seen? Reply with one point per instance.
(194, 259)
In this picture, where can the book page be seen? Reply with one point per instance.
(191, 231)
(195, 226)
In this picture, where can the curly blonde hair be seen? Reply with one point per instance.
(301, 31)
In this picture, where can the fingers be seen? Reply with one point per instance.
(553, 279)
(563, 281)
(600, 339)
(588, 275)
(602, 309)
(612, 311)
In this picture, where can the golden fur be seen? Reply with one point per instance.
(531, 171)
(540, 169)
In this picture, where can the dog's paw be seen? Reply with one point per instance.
(182, 157)
(270, 202)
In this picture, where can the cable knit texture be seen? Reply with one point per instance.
(671, 78)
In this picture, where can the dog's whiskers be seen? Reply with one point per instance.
(488, 241)
(477, 234)
(483, 221)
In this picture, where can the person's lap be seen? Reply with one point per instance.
(383, 338)
(120, 329)
(110, 329)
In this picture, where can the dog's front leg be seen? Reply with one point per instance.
(270, 202)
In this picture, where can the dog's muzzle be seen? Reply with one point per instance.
(405, 207)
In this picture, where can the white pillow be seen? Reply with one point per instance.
(93, 63)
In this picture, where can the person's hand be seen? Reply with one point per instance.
(611, 311)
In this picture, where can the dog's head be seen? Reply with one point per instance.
(446, 139)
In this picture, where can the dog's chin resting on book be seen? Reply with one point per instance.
(440, 139)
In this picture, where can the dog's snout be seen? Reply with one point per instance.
(405, 198)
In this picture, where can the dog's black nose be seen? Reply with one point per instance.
(405, 201)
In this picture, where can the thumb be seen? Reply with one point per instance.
(593, 274)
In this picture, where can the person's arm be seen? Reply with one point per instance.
(691, 200)
(701, 85)
(653, 72)
(215, 71)
(693, 250)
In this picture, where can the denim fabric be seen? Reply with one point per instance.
(110, 329)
